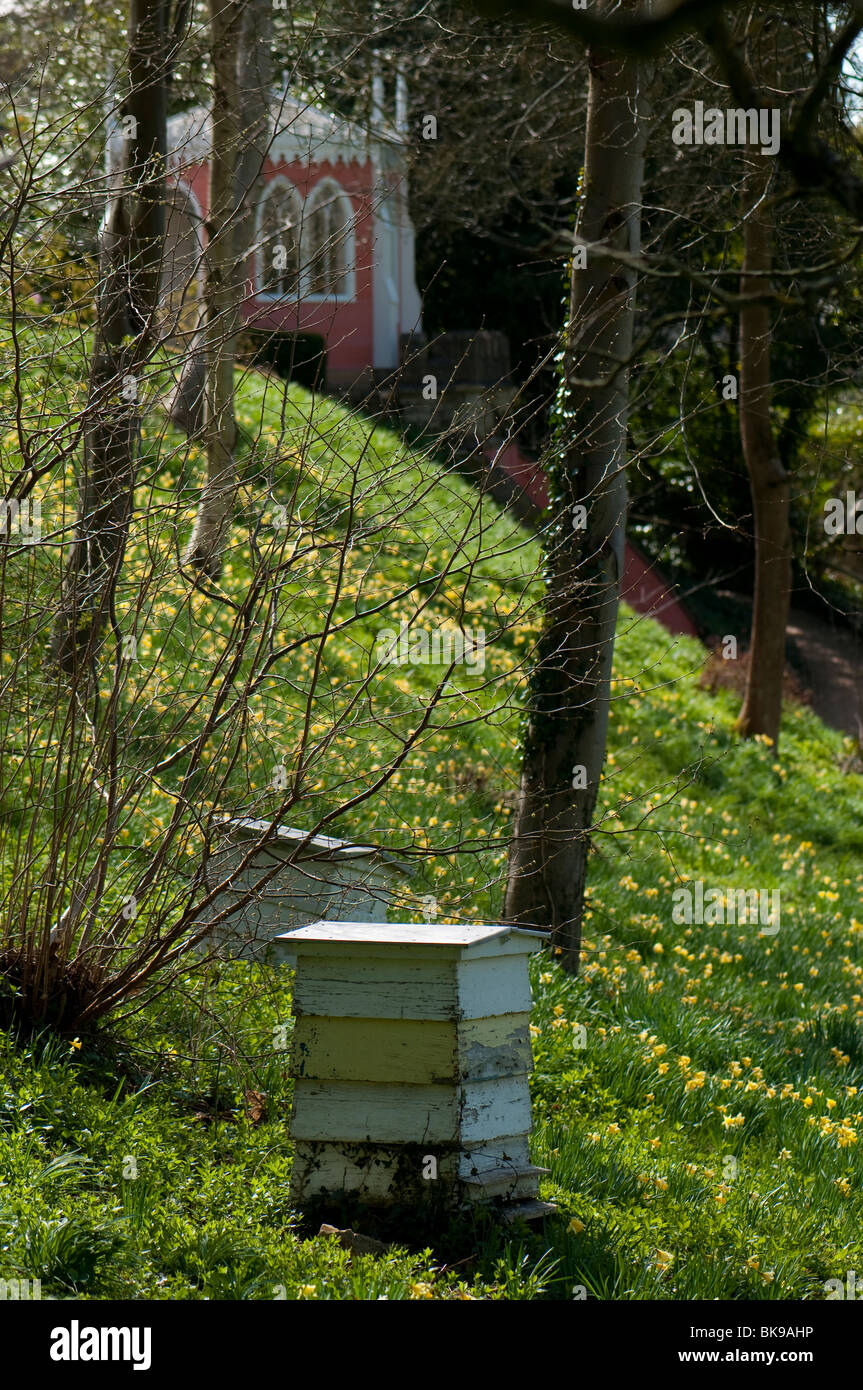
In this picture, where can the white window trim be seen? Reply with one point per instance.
(188, 204)
(276, 182)
(337, 192)
(304, 207)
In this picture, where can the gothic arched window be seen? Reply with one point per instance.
(328, 242)
(278, 240)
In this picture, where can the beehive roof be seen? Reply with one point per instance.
(318, 845)
(390, 937)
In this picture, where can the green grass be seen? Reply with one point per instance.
(703, 1142)
(411, 523)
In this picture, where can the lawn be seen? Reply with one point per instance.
(697, 1090)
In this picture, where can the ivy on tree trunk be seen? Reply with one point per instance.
(569, 695)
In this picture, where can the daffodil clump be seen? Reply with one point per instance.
(705, 1131)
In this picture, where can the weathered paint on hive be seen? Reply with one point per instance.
(407, 987)
(377, 1172)
(360, 988)
(363, 1111)
(511, 1151)
(492, 1108)
(411, 1041)
(253, 930)
(419, 1051)
(489, 1047)
(505, 1183)
(398, 1114)
(337, 884)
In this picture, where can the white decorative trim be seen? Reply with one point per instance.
(304, 208)
(329, 186)
(303, 133)
(196, 215)
(180, 197)
(276, 182)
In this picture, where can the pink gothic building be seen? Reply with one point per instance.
(333, 244)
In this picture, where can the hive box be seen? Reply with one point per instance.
(411, 1056)
(328, 879)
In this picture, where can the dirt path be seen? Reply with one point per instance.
(829, 659)
(832, 661)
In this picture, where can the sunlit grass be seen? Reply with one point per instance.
(704, 1142)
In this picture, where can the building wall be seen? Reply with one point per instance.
(347, 327)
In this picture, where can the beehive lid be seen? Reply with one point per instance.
(318, 847)
(392, 938)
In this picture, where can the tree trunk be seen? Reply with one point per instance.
(130, 261)
(768, 478)
(568, 701)
(185, 403)
(241, 136)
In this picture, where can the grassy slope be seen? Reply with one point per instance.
(703, 1141)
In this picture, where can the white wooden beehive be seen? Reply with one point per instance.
(412, 1043)
(325, 879)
